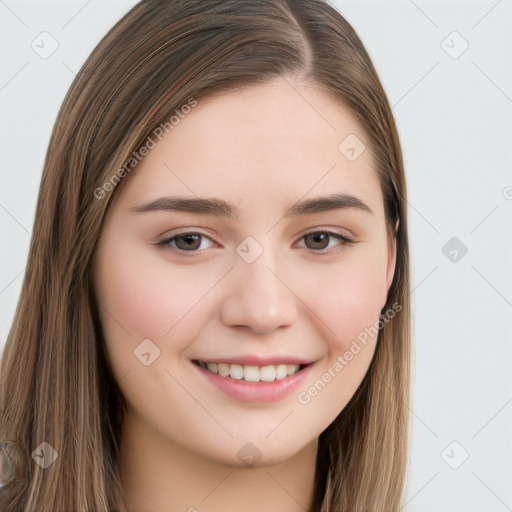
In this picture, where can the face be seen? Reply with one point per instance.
(276, 290)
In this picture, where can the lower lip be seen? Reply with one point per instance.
(264, 392)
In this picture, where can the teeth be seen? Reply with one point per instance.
(281, 371)
(290, 369)
(223, 369)
(267, 373)
(252, 373)
(236, 372)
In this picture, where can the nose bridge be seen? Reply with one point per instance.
(257, 296)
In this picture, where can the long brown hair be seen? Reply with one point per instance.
(56, 382)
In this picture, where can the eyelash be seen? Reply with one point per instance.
(164, 243)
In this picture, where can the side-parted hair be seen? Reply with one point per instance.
(56, 380)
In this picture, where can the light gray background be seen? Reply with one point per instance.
(454, 114)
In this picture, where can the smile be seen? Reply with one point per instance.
(251, 373)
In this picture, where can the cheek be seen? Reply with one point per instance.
(347, 300)
(143, 297)
(348, 297)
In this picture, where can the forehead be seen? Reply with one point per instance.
(274, 142)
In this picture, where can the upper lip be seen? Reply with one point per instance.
(255, 360)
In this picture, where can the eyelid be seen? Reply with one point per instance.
(332, 231)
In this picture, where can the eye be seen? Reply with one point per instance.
(184, 242)
(320, 241)
(191, 242)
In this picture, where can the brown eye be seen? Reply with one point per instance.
(188, 242)
(319, 240)
(185, 242)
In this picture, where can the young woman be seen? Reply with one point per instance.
(215, 311)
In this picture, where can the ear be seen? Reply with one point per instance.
(390, 270)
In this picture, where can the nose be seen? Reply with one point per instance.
(258, 296)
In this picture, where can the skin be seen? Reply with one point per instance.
(262, 148)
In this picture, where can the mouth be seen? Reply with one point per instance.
(252, 373)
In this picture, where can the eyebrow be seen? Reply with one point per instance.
(219, 207)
